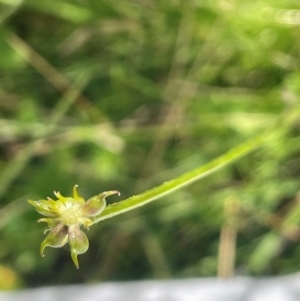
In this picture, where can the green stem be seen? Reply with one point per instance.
(284, 121)
(181, 181)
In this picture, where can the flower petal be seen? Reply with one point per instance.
(96, 204)
(78, 242)
(57, 238)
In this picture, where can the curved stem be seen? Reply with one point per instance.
(198, 173)
(181, 181)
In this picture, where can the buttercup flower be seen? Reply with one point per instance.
(65, 216)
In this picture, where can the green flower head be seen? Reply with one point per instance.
(65, 216)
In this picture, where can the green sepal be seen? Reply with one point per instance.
(45, 207)
(96, 204)
(79, 243)
(56, 238)
(52, 222)
(78, 198)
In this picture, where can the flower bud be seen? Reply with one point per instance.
(64, 217)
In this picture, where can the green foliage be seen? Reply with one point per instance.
(128, 95)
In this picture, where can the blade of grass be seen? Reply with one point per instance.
(63, 10)
(60, 82)
(19, 162)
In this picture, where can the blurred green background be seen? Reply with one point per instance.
(126, 94)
